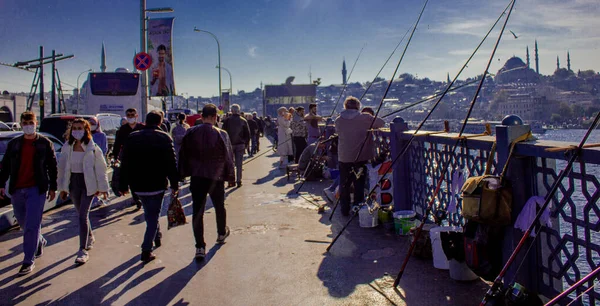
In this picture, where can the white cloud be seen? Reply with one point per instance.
(252, 51)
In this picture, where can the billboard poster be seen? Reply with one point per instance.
(160, 47)
(288, 95)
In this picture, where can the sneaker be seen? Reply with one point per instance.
(239, 184)
(147, 256)
(329, 195)
(90, 243)
(138, 204)
(40, 249)
(200, 253)
(221, 238)
(26, 269)
(82, 257)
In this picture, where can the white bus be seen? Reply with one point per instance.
(114, 93)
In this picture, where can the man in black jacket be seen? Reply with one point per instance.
(239, 134)
(261, 129)
(121, 139)
(148, 162)
(253, 127)
(206, 155)
(30, 164)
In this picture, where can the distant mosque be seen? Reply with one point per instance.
(517, 71)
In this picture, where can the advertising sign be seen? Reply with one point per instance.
(160, 47)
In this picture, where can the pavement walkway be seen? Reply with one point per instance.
(274, 256)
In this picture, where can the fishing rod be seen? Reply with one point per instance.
(414, 28)
(384, 64)
(411, 139)
(578, 284)
(576, 152)
(346, 85)
(428, 99)
(456, 144)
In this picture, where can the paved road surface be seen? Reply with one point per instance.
(274, 256)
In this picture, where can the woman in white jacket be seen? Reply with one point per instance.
(284, 137)
(82, 173)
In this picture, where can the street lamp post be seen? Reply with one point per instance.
(230, 86)
(79, 89)
(219, 59)
(143, 20)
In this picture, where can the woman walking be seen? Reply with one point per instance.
(82, 173)
(178, 132)
(284, 137)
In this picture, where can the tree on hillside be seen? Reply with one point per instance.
(565, 111)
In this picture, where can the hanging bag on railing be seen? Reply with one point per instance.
(488, 199)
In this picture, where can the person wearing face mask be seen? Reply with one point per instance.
(30, 163)
(82, 173)
(98, 135)
(121, 140)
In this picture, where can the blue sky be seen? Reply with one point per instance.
(269, 40)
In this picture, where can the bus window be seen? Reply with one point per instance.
(114, 84)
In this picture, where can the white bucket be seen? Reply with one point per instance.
(365, 219)
(439, 258)
(461, 272)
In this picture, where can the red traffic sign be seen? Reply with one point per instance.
(142, 61)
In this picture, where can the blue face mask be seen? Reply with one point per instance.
(78, 134)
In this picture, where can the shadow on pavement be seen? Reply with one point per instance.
(36, 281)
(167, 290)
(95, 292)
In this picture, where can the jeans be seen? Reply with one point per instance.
(199, 188)
(82, 203)
(348, 178)
(28, 206)
(300, 145)
(152, 206)
(238, 155)
(254, 144)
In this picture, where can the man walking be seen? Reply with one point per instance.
(30, 164)
(206, 155)
(261, 129)
(239, 133)
(148, 161)
(253, 126)
(121, 138)
(352, 128)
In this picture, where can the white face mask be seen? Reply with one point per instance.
(131, 120)
(78, 134)
(29, 129)
(93, 127)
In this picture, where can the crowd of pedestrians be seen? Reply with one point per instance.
(210, 153)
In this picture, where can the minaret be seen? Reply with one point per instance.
(557, 63)
(344, 72)
(537, 59)
(568, 60)
(103, 59)
(528, 57)
(448, 78)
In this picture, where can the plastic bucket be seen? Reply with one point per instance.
(439, 258)
(365, 219)
(404, 220)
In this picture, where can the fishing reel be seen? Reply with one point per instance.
(513, 295)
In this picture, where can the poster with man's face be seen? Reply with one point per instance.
(160, 48)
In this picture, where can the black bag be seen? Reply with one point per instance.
(114, 182)
(483, 249)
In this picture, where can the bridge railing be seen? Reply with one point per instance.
(564, 252)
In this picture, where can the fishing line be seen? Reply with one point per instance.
(346, 85)
(381, 103)
(444, 170)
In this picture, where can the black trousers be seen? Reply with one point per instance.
(200, 188)
(348, 178)
(299, 145)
